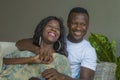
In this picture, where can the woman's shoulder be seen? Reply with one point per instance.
(59, 56)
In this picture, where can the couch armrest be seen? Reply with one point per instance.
(7, 47)
(105, 71)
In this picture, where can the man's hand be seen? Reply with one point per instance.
(34, 78)
(45, 55)
(40, 60)
(52, 74)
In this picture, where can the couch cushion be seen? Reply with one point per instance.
(105, 71)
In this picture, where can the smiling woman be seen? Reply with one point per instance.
(22, 65)
(51, 31)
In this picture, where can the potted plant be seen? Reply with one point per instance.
(106, 50)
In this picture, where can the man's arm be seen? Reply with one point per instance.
(52, 74)
(27, 44)
(86, 73)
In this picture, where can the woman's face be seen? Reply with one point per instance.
(51, 31)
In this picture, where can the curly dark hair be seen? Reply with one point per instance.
(39, 30)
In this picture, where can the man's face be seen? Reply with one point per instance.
(78, 25)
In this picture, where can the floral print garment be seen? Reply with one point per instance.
(25, 72)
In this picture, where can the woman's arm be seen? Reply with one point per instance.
(26, 60)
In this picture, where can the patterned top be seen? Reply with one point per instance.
(24, 72)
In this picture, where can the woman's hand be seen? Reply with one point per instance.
(41, 60)
(45, 55)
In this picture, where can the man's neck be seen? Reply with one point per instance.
(73, 40)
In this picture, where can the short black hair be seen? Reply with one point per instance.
(39, 31)
(77, 10)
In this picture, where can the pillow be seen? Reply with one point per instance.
(105, 71)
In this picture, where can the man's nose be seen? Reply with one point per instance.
(78, 27)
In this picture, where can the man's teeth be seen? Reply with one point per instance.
(78, 33)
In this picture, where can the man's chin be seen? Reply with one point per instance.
(78, 39)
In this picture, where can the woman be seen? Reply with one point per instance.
(49, 34)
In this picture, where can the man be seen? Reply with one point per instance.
(81, 54)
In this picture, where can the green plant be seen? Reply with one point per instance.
(106, 50)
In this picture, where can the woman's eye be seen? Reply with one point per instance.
(49, 26)
(58, 29)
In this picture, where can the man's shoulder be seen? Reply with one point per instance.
(87, 46)
(87, 43)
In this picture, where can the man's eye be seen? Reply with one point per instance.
(82, 24)
(74, 23)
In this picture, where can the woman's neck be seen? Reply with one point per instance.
(48, 47)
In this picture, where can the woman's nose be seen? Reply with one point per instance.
(54, 29)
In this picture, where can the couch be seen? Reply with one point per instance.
(104, 70)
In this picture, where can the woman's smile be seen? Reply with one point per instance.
(52, 34)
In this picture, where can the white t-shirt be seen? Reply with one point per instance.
(81, 54)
